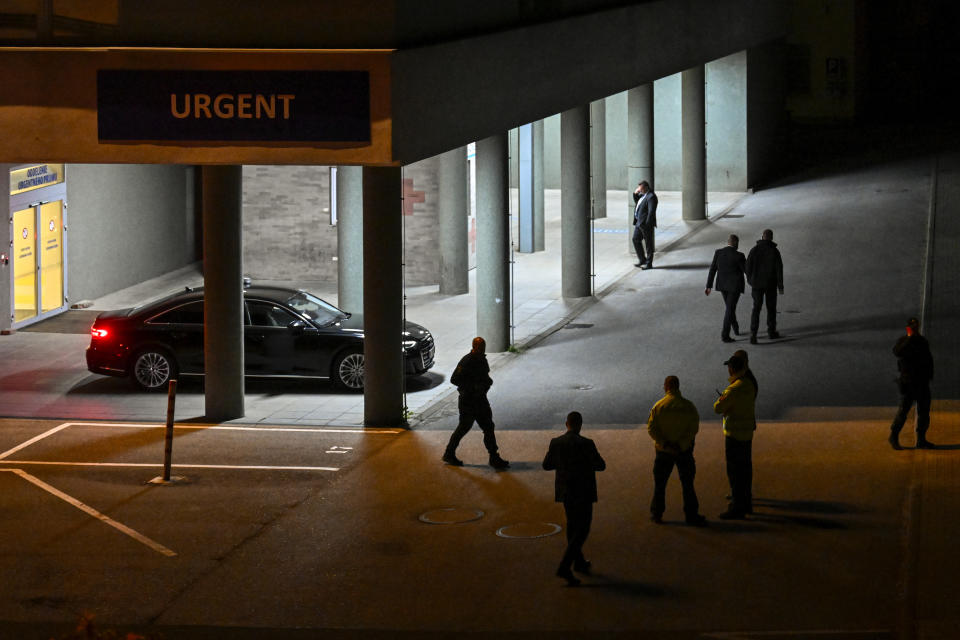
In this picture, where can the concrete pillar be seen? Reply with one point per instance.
(539, 243)
(493, 243)
(525, 189)
(598, 157)
(639, 146)
(575, 202)
(223, 286)
(693, 115)
(350, 239)
(454, 215)
(382, 297)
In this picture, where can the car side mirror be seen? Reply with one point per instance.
(296, 326)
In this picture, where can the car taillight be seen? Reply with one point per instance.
(99, 333)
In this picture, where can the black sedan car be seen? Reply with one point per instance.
(287, 333)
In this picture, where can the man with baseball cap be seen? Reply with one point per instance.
(915, 364)
(737, 405)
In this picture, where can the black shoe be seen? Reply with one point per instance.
(656, 518)
(452, 460)
(498, 463)
(753, 338)
(925, 444)
(566, 574)
(582, 567)
(697, 520)
(894, 442)
(732, 514)
(736, 330)
(647, 266)
(773, 335)
(727, 339)
(639, 264)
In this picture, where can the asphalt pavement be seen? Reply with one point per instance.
(332, 531)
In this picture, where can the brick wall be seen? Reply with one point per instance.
(286, 223)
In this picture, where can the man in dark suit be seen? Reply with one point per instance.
(765, 275)
(575, 460)
(728, 267)
(644, 222)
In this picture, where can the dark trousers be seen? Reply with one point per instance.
(770, 294)
(739, 454)
(643, 237)
(909, 394)
(730, 299)
(579, 518)
(472, 410)
(686, 468)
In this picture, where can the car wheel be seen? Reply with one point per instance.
(153, 369)
(348, 370)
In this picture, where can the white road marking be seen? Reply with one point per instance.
(212, 427)
(139, 537)
(24, 445)
(177, 465)
(753, 635)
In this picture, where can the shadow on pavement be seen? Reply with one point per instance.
(631, 588)
(685, 267)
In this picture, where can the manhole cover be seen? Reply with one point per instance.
(575, 325)
(529, 530)
(450, 515)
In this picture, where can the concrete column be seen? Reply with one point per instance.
(575, 202)
(598, 157)
(382, 297)
(525, 188)
(693, 121)
(539, 243)
(6, 269)
(454, 214)
(639, 146)
(493, 243)
(223, 286)
(350, 238)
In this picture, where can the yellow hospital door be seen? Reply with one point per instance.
(38, 260)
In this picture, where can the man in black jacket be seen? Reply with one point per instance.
(644, 222)
(575, 460)
(728, 267)
(915, 363)
(765, 275)
(472, 379)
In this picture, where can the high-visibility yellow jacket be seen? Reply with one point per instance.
(736, 403)
(673, 423)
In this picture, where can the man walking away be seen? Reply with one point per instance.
(644, 222)
(736, 404)
(576, 462)
(673, 425)
(915, 363)
(728, 267)
(765, 275)
(472, 379)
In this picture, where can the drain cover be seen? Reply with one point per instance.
(529, 530)
(450, 515)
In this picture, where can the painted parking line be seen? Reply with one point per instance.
(35, 439)
(179, 465)
(136, 535)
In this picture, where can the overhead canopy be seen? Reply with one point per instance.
(305, 106)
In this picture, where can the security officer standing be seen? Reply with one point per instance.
(737, 405)
(915, 363)
(472, 379)
(673, 425)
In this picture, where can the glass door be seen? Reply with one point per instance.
(51, 256)
(25, 264)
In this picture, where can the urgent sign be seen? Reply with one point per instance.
(233, 106)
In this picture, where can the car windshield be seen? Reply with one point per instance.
(316, 309)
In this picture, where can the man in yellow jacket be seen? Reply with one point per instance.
(736, 404)
(673, 425)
